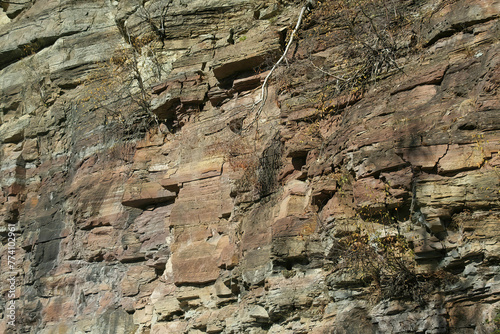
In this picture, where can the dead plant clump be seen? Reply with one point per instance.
(367, 41)
(386, 265)
(258, 171)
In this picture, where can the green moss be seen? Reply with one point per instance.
(496, 321)
(288, 273)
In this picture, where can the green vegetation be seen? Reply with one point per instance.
(496, 321)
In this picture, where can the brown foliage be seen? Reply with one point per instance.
(386, 264)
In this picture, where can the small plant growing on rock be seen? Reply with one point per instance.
(496, 322)
(385, 264)
(156, 24)
(354, 44)
(123, 78)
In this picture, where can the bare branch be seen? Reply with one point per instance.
(327, 73)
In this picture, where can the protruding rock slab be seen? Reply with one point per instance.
(197, 263)
(423, 156)
(195, 170)
(246, 54)
(474, 189)
(462, 157)
(146, 194)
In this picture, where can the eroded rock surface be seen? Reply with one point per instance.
(152, 190)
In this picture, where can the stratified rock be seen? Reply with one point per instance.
(247, 54)
(153, 185)
(146, 194)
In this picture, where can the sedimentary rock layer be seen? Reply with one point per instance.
(151, 189)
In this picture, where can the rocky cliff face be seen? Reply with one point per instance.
(151, 189)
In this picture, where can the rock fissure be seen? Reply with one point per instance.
(459, 27)
(441, 157)
(26, 50)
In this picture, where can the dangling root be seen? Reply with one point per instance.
(263, 94)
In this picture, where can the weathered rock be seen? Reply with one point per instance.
(425, 157)
(431, 76)
(14, 131)
(449, 18)
(472, 189)
(246, 54)
(248, 83)
(197, 170)
(135, 277)
(196, 263)
(146, 194)
(166, 307)
(377, 161)
(258, 313)
(188, 89)
(462, 157)
(222, 290)
(370, 194)
(169, 327)
(369, 169)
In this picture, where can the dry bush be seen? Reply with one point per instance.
(269, 166)
(386, 265)
(367, 40)
(120, 89)
(258, 173)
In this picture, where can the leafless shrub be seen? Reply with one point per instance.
(118, 87)
(385, 264)
(367, 40)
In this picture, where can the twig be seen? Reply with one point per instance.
(327, 73)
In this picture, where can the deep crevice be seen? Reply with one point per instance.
(456, 28)
(25, 50)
